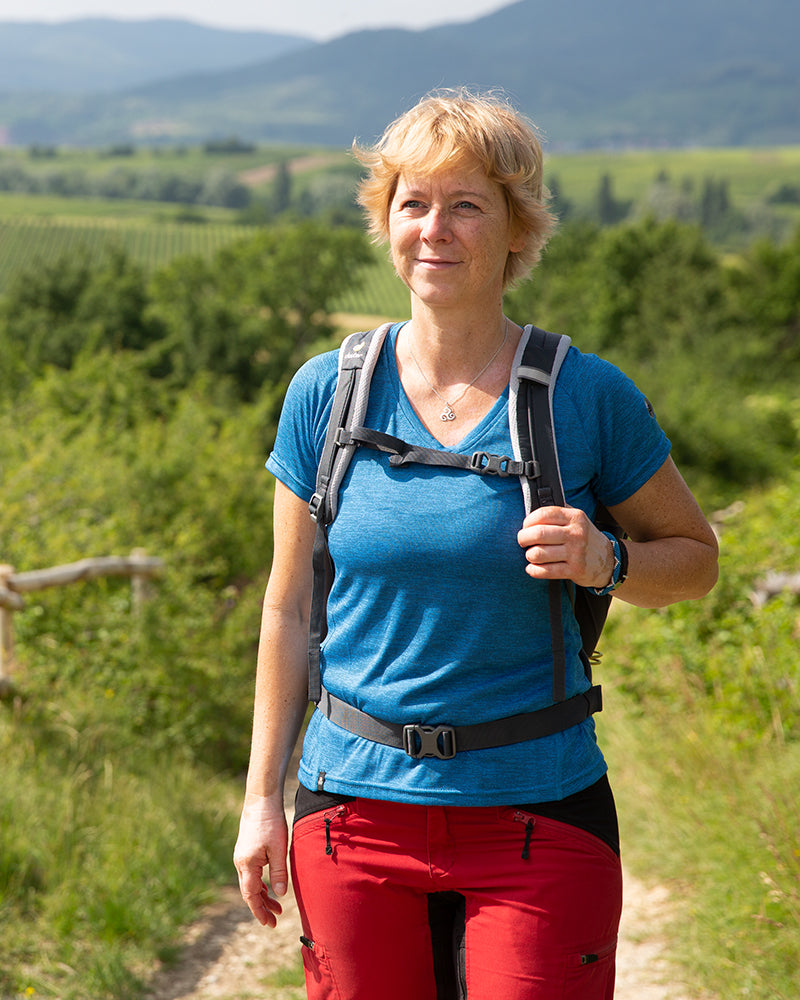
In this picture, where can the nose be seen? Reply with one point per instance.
(435, 227)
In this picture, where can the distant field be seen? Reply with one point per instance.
(191, 162)
(38, 228)
(27, 241)
(752, 173)
(382, 293)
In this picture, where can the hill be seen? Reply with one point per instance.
(101, 54)
(625, 74)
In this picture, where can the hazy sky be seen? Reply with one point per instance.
(319, 19)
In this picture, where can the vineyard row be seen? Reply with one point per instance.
(26, 243)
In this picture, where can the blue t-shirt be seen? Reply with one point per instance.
(432, 618)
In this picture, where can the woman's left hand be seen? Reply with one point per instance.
(561, 543)
(672, 551)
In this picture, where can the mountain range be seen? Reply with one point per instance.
(622, 73)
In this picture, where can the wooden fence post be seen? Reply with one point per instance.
(6, 628)
(140, 581)
(139, 566)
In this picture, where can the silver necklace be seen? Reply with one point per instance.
(448, 413)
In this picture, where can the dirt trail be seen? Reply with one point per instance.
(229, 956)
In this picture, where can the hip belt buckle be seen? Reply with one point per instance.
(429, 741)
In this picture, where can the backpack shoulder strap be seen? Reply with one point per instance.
(536, 367)
(530, 412)
(358, 356)
(539, 357)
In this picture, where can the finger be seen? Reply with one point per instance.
(544, 555)
(549, 515)
(279, 876)
(265, 908)
(548, 571)
(541, 535)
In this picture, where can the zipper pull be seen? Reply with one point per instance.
(329, 818)
(526, 848)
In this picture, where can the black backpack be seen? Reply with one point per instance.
(535, 462)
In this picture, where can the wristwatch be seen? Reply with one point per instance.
(620, 572)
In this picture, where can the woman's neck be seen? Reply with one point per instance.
(452, 347)
(453, 374)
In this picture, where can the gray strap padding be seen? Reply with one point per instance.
(533, 374)
(358, 411)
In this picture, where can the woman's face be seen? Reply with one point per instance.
(450, 236)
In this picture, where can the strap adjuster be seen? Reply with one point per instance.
(429, 741)
(314, 504)
(487, 464)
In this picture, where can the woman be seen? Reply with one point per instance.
(438, 611)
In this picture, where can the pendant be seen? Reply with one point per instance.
(447, 413)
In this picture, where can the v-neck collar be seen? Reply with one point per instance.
(499, 407)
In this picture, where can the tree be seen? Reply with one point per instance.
(282, 188)
(55, 311)
(609, 210)
(251, 313)
(715, 202)
(765, 310)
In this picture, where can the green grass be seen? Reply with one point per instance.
(110, 852)
(15, 205)
(702, 729)
(292, 977)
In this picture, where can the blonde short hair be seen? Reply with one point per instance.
(447, 129)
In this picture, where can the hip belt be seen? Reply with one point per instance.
(444, 741)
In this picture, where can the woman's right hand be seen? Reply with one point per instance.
(262, 844)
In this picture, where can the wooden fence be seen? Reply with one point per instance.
(138, 566)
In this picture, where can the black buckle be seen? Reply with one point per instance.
(343, 437)
(314, 505)
(424, 741)
(487, 464)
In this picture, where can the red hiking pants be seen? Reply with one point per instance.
(541, 902)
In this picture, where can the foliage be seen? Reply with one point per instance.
(765, 307)
(734, 195)
(656, 299)
(122, 728)
(709, 701)
(51, 315)
(139, 417)
(136, 410)
(248, 314)
(251, 313)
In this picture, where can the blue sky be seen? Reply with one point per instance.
(319, 19)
